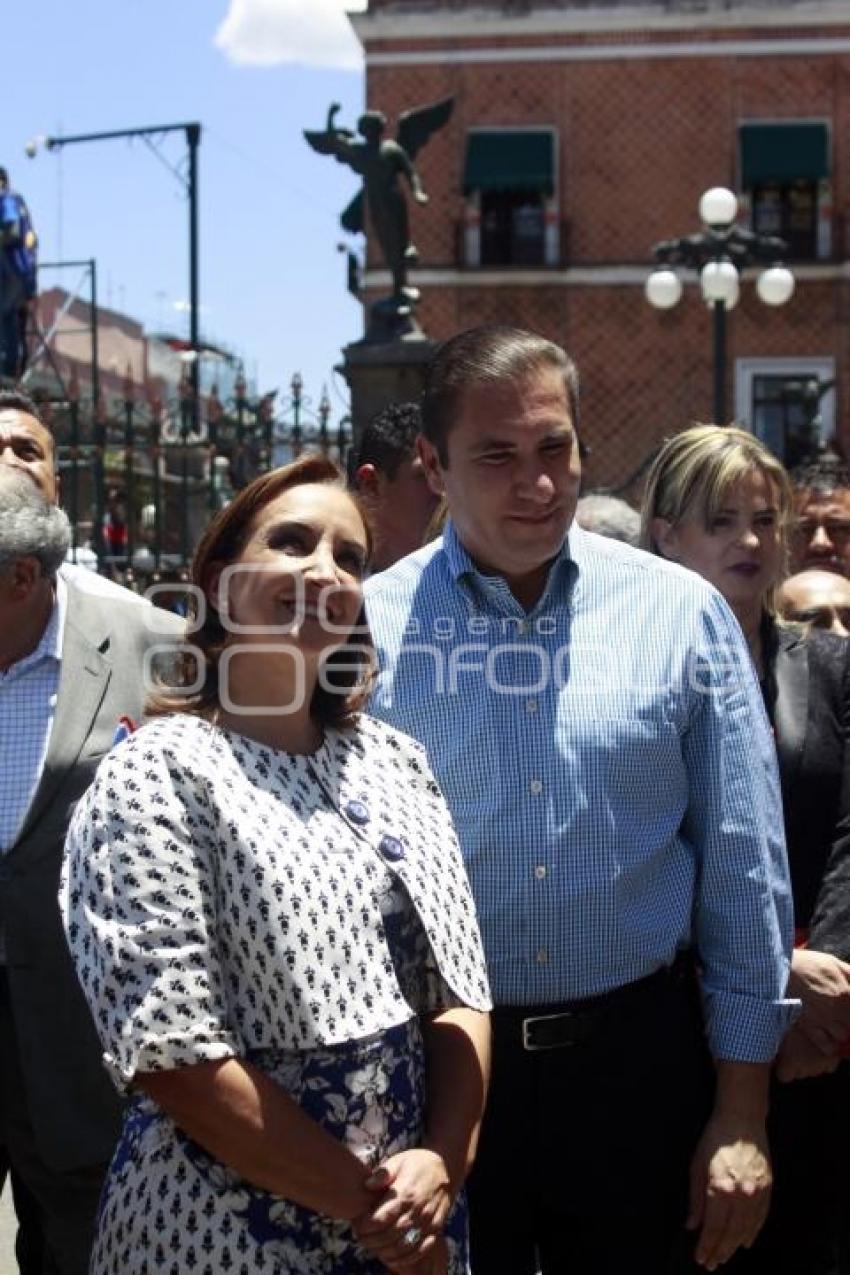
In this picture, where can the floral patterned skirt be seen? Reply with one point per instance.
(168, 1208)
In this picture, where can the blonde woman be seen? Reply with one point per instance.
(716, 501)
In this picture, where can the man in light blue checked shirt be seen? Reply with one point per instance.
(592, 716)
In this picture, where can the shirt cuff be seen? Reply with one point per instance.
(166, 1053)
(744, 1028)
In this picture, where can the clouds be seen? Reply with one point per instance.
(271, 32)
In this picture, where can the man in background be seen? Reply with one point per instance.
(73, 670)
(17, 278)
(27, 444)
(388, 476)
(608, 516)
(818, 598)
(821, 538)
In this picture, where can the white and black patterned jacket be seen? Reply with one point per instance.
(220, 896)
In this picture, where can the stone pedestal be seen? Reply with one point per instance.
(381, 373)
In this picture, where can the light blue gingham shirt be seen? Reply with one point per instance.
(611, 772)
(28, 691)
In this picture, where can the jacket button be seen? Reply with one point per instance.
(391, 848)
(357, 812)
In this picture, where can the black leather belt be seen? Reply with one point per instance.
(556, 1031)
(574, 1022)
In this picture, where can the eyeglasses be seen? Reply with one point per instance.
(838, 530)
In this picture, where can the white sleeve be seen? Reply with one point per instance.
(138, 899)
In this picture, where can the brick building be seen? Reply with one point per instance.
(129, 358)
(585, 132)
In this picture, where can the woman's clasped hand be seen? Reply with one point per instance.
(413, 1200)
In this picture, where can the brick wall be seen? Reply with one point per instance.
(638, 141)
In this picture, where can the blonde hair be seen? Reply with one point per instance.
(693, 473)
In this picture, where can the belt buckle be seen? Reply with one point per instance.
(529, 1044)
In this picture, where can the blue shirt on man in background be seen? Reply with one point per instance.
(18, 239)
(18, 277)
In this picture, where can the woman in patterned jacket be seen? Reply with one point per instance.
(269, 916)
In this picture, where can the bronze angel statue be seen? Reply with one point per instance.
(382, 163)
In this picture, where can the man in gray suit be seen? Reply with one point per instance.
(73, 665)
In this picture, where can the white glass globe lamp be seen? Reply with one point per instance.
(776, 285)
(718, 207)
(663, 288)
(731, 299)
(719, 282)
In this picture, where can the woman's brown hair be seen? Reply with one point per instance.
(348, 671)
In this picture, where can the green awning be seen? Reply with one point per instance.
(510, 160)
(783, 153)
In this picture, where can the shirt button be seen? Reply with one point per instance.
(535, 787)
(531, 706)
(523, 627)
(391, 848)
(357, 813)
(540, 872)
(542, 956)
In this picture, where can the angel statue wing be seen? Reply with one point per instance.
(327, 141)
(417, 126)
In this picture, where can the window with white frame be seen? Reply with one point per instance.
(510, 185)
(772, 400)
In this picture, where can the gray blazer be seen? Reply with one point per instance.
(74, 1109)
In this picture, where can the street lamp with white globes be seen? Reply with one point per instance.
(719, 253)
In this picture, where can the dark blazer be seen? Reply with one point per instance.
(810, 708)
(74, 1110)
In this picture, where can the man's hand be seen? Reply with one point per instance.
(730, 1188)
(800, 1057)
(415, 1194)
(822, 982)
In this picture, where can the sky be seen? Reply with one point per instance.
(254, 73)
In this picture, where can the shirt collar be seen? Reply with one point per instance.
(566, 563)
(460, 563)
(60, 611)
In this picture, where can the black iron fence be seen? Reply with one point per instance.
(141, 477)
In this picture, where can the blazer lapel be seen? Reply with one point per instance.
(83, 680)
(792, 702)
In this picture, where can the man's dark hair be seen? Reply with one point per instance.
(824, 474)
(486, 356)
(4, 177)
(389, 439)
(18, 401)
